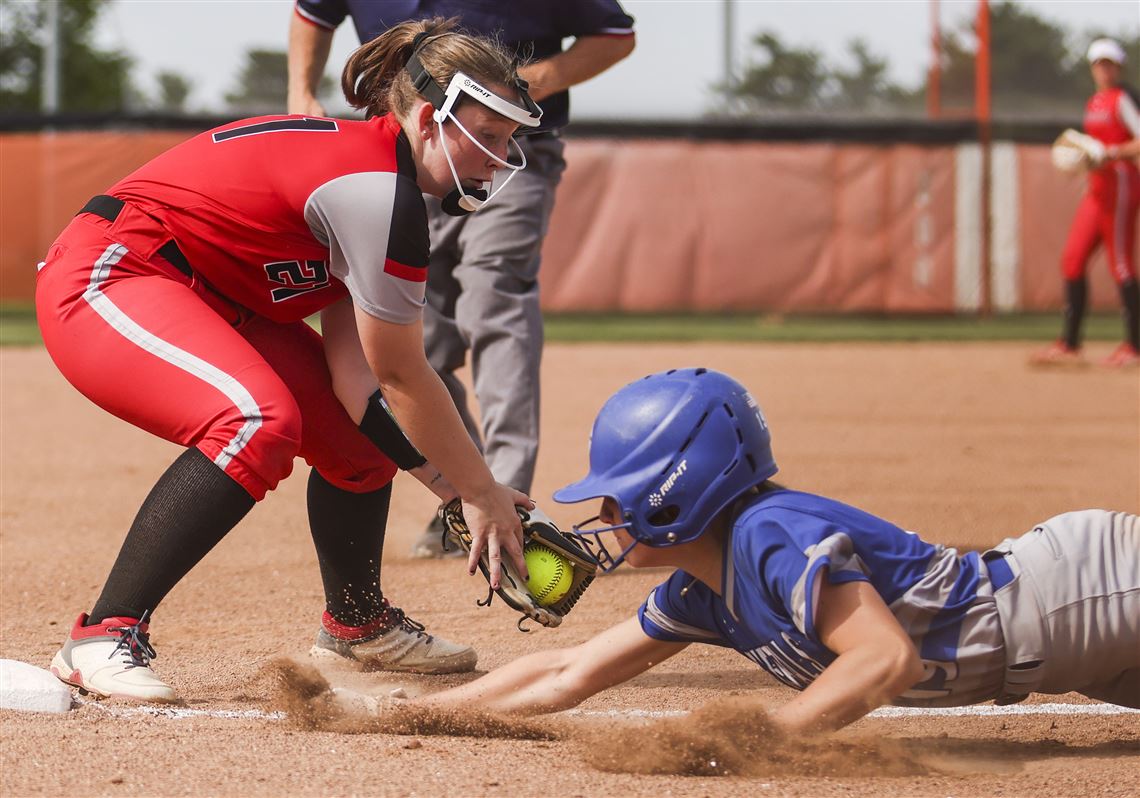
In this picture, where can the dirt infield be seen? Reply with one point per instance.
(960, 442)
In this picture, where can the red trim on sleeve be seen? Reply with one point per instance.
(316, 23)
(415, 274)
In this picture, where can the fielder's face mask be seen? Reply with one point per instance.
(459, 202)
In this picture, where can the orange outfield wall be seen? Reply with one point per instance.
(46, 177)
(669, 225)
(680, 225)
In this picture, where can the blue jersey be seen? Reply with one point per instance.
(534, 29)
(780, 547)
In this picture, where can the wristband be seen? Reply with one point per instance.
(383, 430)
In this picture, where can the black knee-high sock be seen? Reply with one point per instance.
(1076, 299)
(1130, 300)
(191, 507)
(348, 532)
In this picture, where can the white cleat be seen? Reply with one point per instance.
(403, 646)
(111, 660)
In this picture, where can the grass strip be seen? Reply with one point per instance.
(18, 327)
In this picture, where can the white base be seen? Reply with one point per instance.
(27, 688)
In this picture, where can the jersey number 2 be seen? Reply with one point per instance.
(294, 277)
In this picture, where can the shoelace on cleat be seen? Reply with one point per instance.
(408, 625)
(399, 619)
(135, 642)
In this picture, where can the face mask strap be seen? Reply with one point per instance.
(422, 80)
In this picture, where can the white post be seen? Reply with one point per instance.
(49, 73)
(728, 33)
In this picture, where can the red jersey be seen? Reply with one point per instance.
(1112, 117)
(287, 214)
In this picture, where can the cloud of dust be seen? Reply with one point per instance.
(732, 736)
(735, 737)
(309, 702)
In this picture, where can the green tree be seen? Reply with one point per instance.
(798, 79)
(173, 89)
(785, 78)
(90, 79)
(263, 82)
(1036, 66)
(866, 88)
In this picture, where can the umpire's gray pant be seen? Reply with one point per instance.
(1071, 614)
(482, 296)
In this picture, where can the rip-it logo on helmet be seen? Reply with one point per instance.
(658, 497)
(528, 115)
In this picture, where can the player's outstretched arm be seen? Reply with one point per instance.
(550, 681)
(877, 660)
(426, 414)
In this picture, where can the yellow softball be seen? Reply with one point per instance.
(551, 574)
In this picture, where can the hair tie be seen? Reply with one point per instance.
(419, 39)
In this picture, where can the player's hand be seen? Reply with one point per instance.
(493, 522)
(306, 105)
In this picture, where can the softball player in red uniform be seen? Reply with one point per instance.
(1107, 213)
(177, 302)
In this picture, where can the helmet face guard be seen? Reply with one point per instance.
(673, 450)
(589, 536)
(527, 115)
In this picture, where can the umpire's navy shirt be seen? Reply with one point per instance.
(533, 28)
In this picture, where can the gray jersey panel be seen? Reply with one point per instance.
(354, 215)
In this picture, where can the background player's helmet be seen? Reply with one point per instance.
(674, 449)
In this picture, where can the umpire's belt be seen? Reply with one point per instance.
(109, 208)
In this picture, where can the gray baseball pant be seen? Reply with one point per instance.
(482, 296)
(1071, 613)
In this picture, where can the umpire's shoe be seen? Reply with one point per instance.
(393, 642)
(111, 659)
(433, 543)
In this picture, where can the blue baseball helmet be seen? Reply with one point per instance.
(674, 449)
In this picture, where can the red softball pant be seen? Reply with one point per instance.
(1107, 214)
(165, 353)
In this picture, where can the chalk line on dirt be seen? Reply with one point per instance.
(981, 710)
(989, 710)
(905, 712)
(179, 713)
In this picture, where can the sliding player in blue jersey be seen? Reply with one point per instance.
(847, 608)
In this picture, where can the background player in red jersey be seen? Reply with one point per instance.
(1107, 213)
(177, 302)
